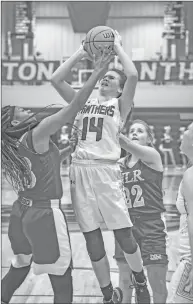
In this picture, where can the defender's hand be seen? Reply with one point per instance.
(84, 53)
(102, 62)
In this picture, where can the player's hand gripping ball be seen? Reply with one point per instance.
(98, 39)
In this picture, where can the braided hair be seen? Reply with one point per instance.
(15, 167)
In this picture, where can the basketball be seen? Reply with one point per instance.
(97, 39)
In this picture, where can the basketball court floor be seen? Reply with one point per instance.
(37, 289)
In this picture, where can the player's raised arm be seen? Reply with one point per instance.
(54, 122)
(145, 153)
(59, 77)
(126, 99)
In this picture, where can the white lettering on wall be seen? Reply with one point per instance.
(10, 67)
(44, 70)
(168, 69)
(184, 70)
(147, 71)
(32, 71)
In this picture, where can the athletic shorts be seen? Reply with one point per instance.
(98, 195)
(39, 233)
(151, 237)
(179, 290)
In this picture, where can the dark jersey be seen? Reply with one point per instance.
(143, 188)
(167, 141)
(45, 171)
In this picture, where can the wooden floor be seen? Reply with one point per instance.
(37, 289)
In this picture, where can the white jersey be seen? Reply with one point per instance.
(99, 125)
(185, 251)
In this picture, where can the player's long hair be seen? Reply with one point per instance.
(122, 75)
(15, 167)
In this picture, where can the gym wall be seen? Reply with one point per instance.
(140, 26)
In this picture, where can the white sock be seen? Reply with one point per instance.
(135, 260)
(102, 271)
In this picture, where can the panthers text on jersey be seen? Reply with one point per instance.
(99, 125)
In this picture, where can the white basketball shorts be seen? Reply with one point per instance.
(98, 195)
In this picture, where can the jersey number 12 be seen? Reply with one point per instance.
(89, 126)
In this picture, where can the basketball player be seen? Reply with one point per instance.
(37, 227)
(142, 173)
(96, 186)
(181, 286)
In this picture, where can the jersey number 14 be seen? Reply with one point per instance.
(89, 126)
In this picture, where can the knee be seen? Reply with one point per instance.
(126, 240)
(95, 245)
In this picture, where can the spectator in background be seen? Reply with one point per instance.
(166, 147)
(182, 155)
(181, 286)
(64, 137)
(64, 142)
